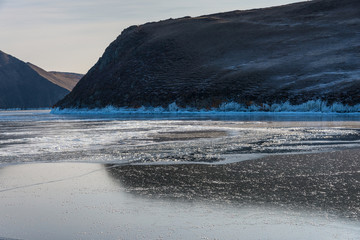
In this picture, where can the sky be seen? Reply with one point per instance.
(71, 35)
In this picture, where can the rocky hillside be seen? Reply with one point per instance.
(298, 52)
(22, 87)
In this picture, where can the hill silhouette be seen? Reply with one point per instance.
(23, 87)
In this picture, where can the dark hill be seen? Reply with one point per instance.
(22, 87)
(298, 52)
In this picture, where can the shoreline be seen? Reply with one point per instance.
(111, 110)
(309, 107)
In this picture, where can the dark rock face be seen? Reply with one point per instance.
(297, 52)
(22, 87)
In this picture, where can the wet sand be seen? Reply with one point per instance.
(304, 196)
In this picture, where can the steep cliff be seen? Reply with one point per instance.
(298, 52)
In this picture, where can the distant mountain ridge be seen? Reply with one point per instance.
(23, 87)
(63, 79)
(297, 52)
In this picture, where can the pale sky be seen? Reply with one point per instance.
(70, 35)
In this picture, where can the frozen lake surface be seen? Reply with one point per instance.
(168, 176)
(85, 201)
(37, 136)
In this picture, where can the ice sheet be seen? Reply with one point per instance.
(81, 201)
(45, 138)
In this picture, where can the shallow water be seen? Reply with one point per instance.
(179, 176)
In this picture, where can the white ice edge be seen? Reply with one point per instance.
(24, 109)
(229, 108)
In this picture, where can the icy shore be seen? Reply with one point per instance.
(313, 106)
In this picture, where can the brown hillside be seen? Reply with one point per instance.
(62, 79)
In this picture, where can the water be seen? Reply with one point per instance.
(187, 176)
